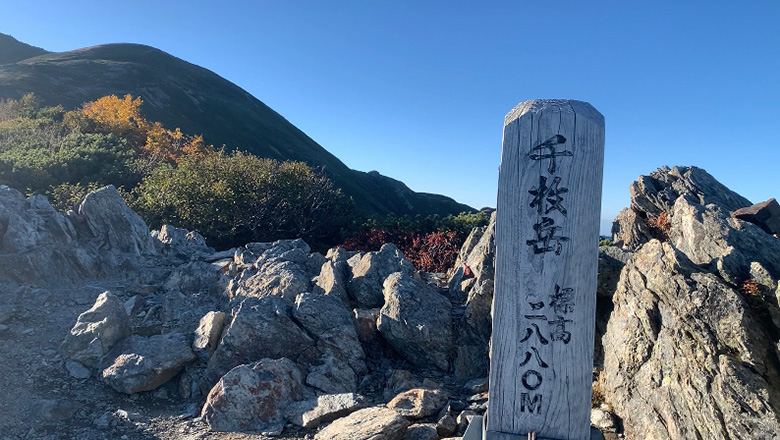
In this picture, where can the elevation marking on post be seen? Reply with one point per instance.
(547, 231)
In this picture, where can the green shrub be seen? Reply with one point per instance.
(235, 198)
(75, 159)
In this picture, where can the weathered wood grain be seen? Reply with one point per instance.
(550, 177)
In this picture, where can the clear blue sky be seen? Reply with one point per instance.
(418, 89)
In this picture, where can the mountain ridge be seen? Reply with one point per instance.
(181, 94)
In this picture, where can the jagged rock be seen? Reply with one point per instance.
(417, 321)
(27, 223)
(333, 275)
(765, 215)
(207, 334)
(657, 193)
(97, 330)
(330, 407)
(279, 270)
(38, 244)
(475, 326)
(331, 322)
(708, 236)
(686, 356)
(422, 431)
(142, 364)
(419, 403)
(478, 253)
(261, 328)
(180, 243)
(113, 225)
(254, 397)
(367, 424)
(369, 272)
(332, 376)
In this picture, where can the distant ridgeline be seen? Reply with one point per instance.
(179, 94)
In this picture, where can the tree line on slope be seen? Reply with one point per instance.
(170, 177)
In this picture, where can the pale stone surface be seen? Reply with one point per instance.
(367, 424)
(419, 403)
(142, 364)
(97, 330)
(329, 407)
(417, 321)
(207, 334)
(254, 397)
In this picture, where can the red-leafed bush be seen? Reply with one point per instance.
(431, 252)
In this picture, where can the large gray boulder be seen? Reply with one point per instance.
(255, 397)
(328, 319)
(686, 355)
(113, 226)
(369, 272)
(97, 330)
(38, 245)
(260, 328)
(417, 321)
(367, 424)
(143, 364)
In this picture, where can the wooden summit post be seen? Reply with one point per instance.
(547, 232)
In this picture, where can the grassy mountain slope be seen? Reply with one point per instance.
(181, 94)
(13, 50)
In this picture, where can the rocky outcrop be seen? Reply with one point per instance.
(272, 269)
(260, 328)
(690, 349)
(142, 364)
(474, 327)
(653, 197)
(369, 272)
(255, 397)
(417, 321)
(96, 331)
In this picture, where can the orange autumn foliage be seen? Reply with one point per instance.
(122, 117)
